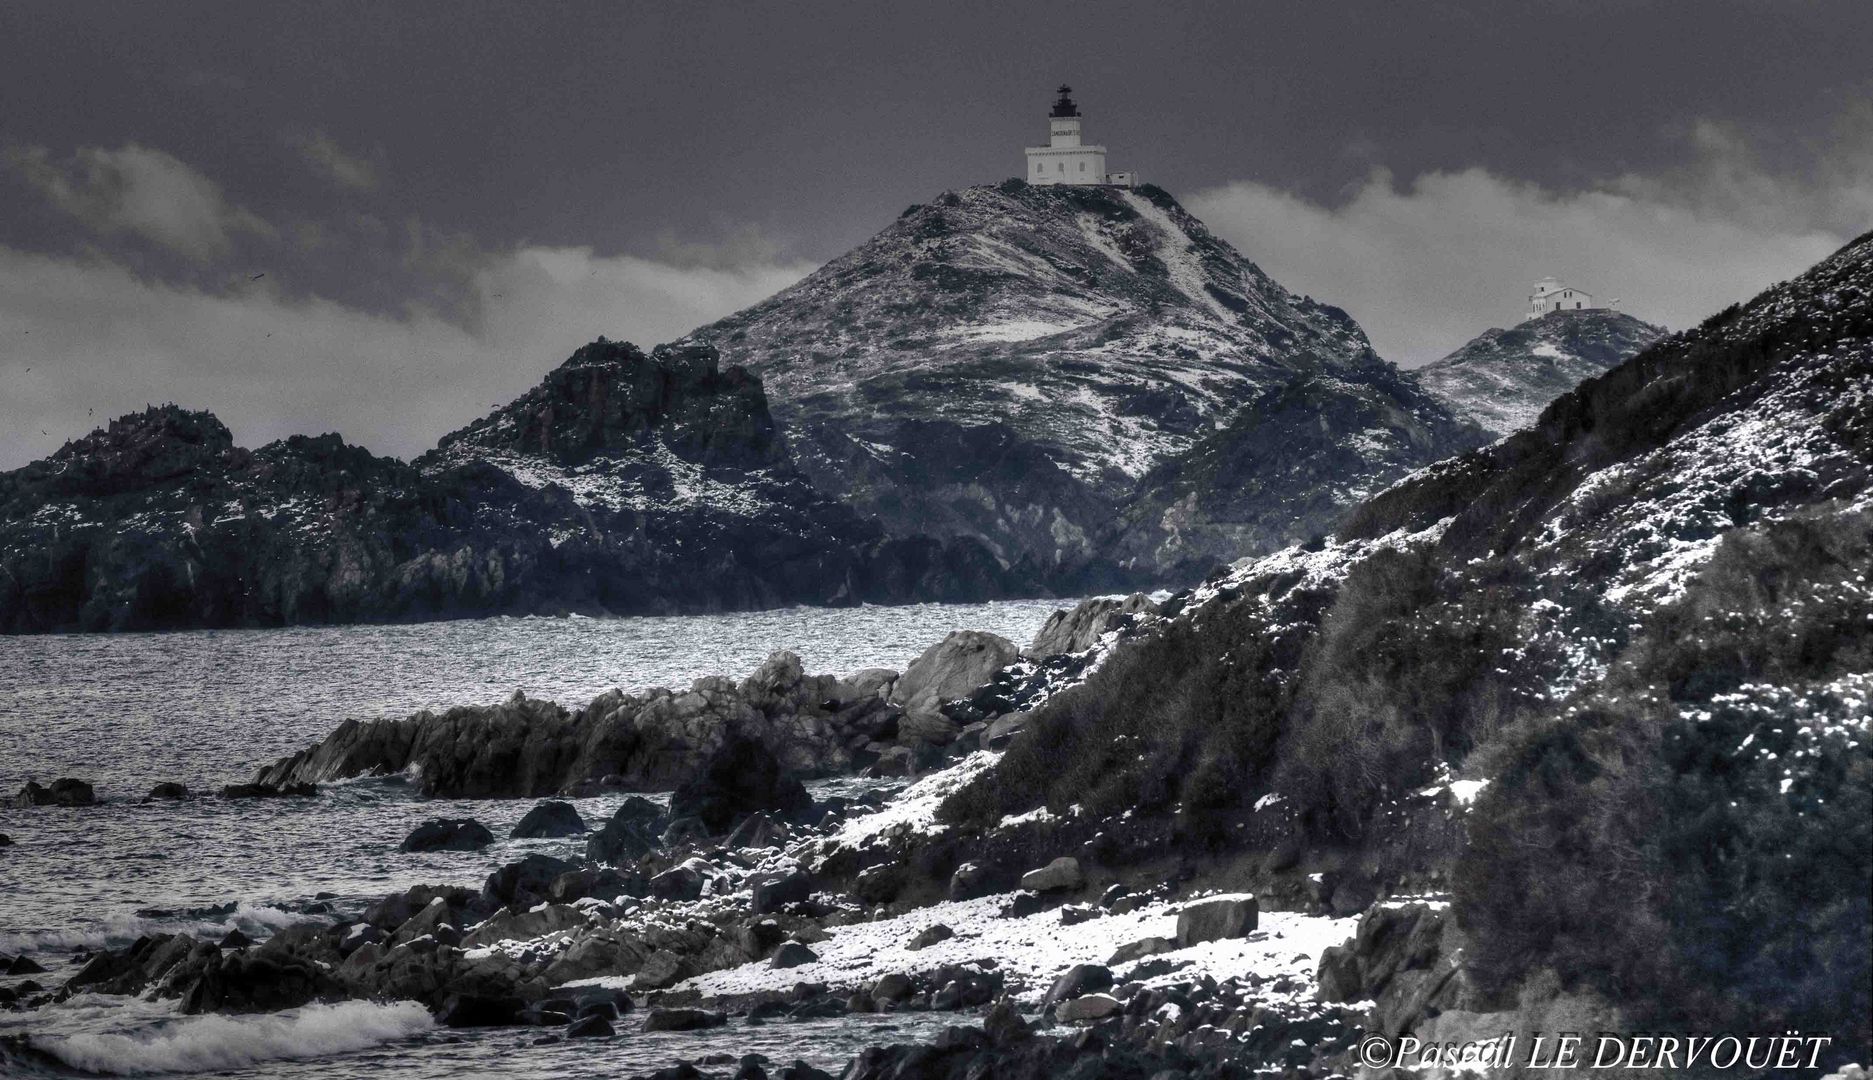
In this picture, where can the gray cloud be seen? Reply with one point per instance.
(1428, 264)
(335, 163)
(100, 340)
(141, 191)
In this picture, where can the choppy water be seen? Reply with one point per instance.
(206, 708)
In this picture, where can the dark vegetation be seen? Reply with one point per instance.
(1683, 842)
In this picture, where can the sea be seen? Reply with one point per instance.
(206, 708)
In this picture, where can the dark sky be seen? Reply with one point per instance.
(461, 192)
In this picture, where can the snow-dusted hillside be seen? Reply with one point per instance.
(1629, 643)
(1504, 378)
(1011, 362)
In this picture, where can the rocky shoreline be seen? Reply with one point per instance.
(746, 902)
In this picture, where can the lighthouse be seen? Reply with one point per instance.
(1067, 159)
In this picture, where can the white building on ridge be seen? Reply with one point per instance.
(1067, 160)
(1554, 295)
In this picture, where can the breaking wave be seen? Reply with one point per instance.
(214, 1042)
(255, 920)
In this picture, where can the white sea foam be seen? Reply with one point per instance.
(214, 1042)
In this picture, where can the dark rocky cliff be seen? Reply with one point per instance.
(624, 483)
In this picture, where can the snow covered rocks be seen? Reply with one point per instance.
(1502, 380)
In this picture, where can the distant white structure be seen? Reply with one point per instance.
(1552, 294)
(1067, 160)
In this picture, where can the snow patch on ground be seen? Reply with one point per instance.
(1033, 950)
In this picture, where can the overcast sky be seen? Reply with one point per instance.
(382, 219)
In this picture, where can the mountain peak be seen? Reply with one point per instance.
(1009, 361)
(1504, 377)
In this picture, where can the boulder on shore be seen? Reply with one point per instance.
(931, 935)
(66, 791)
(1138, 950)
(792, 954)
(952, 668)
(628, 835)
(759, 830)
(1214, 920)
(548, 820)
(771, 894)
(525, 881)
(1062, 873)
(167, 790)
(1089, 1007)
(448, 834)
(1078, 981)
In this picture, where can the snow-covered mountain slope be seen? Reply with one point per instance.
(1010, 362)
(623, 483)
(1504, 378)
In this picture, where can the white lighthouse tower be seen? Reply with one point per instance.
(1066, 159)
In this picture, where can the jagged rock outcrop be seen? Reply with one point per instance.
(625, 483)
(1080, 629)
(1504, 378)
(1011, 363)
(946, 671)
(812, 725)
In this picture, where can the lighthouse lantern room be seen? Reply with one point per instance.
(1066, 159)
